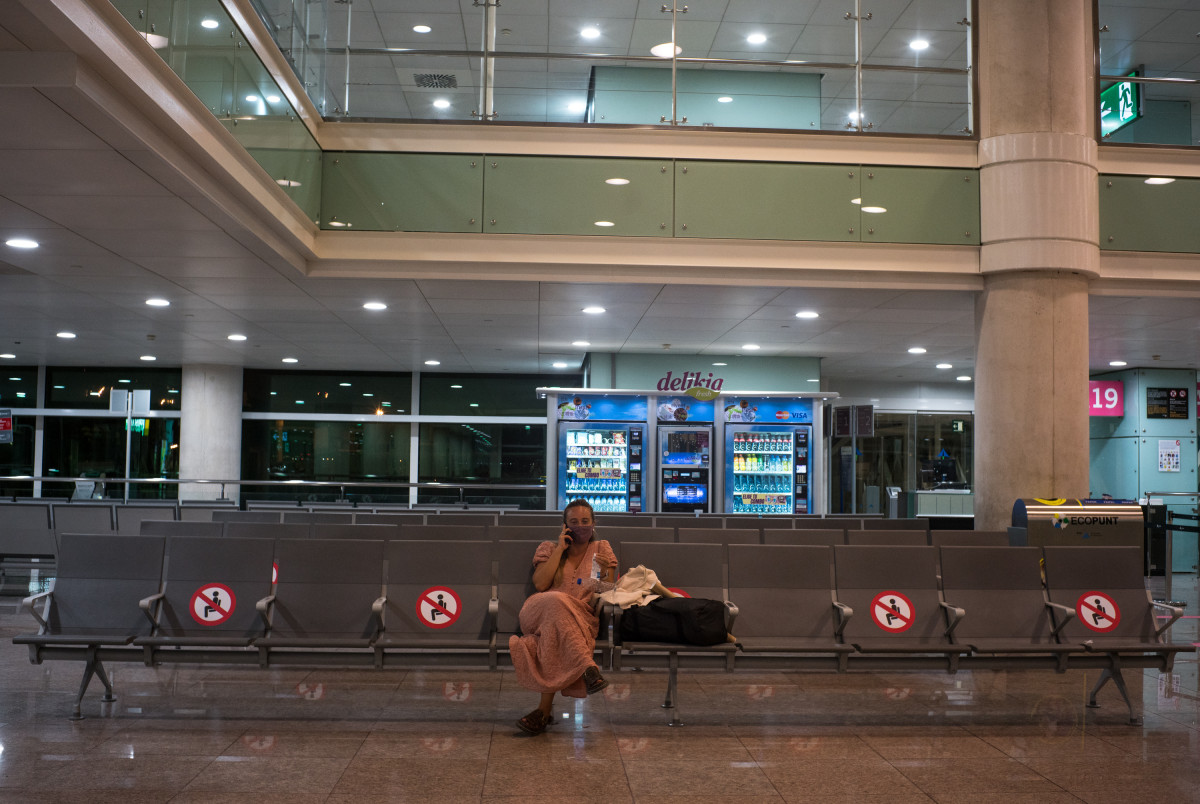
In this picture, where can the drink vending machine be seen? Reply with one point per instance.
(601, 461)
(767, 465)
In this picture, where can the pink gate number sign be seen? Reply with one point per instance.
(1106, 398)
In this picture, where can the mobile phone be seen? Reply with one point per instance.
(570, 537)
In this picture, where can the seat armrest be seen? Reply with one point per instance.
(28, 604)
(1175, 611)
(377, 606)
(844, 613)
(263, 607)
(1065, 612)
(955, 614)
(147, 603)
(731, 613)
(494, 613)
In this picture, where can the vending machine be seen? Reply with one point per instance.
(598, 460)
(685, 466)
(767, 468)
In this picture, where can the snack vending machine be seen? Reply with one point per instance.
(767, 466)
(600, 442)
(685, 468)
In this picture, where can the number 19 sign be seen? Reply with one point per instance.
(1106, 397)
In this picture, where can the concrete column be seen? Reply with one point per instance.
(210, 446)
(1040, 231)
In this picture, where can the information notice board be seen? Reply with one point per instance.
(1167, 403)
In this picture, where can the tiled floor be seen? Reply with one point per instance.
(191, 734)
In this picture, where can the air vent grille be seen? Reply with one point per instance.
(436, 80)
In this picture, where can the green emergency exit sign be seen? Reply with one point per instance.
(1120, 105)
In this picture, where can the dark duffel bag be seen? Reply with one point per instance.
(682, 620)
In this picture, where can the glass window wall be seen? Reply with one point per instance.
(726, 63)
(488, 395)
(329, 451)
(483, 454)
(87, 447)
(1149, 72)
(312, 392)
(89, 388)
(17, 458)
(909, 451)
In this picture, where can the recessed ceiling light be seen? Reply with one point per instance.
(21, 242)
(368, 395)
(158, 302)
(336, 223)
(273, 99)
(14, 379)
(8, 356)
(441, 103)
(963, 378)
(663, 51)
(236, 337)
(1117, 363)
(291, 360)
(344, 384)
(421, 29)
(874, 210)
(617, 182)
(560, 365)
(944, 366)
(581, 343)
(593, 310)
(750, 347)
(287, 182)
(252, 98)
(919, 44)
(148, 358)
(66, 335)
(756, 38)
(433, 362)
(808, 314)
(720, 364)
(1159, 180)
(575, 107)
(209, 23)
(474, 404)
(299, 401)
(591, 32)
(605, 223)
(456, 386)
(374, 305)
(724, 99)
(813, 379)
(916, 350)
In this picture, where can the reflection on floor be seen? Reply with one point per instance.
(221, 734)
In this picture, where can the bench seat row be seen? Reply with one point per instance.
(414, 603)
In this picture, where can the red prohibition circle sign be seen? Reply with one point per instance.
(438, 607)
(893, 612)
(212, 604)
(1098, 612)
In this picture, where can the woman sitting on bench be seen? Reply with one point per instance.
(557, 650)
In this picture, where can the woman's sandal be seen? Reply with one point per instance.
(535, 722)
(593, 680)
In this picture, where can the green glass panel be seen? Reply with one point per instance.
(764, 201)
(923, 205)
(1135, 216)
(402, 192)
(572, 196)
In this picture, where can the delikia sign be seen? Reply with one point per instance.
(1107, 397)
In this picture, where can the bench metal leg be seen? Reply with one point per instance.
(672, 690)
(1135, 717)
(92, 667)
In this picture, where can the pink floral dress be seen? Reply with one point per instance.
(559, 627)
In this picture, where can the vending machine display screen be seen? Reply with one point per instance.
(685, 493)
